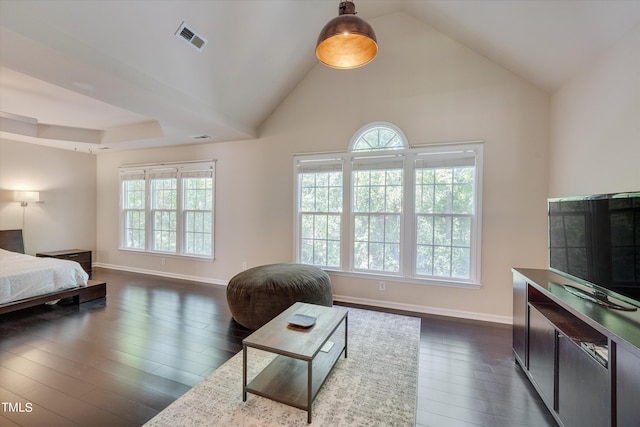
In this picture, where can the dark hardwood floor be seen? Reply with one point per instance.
(120, 361)
(468, 378)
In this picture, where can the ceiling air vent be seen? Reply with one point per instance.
(190, 36)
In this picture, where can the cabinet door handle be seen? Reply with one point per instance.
(73, 255)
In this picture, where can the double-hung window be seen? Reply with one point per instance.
(164, 209)
(385, 208)
(376, 209)
(133, 208)
(168, 208)
(320, 212)
(197, 212)
(445, 217)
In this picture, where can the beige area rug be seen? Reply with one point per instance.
(376, 385)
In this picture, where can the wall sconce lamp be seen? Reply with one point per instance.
(24, 197)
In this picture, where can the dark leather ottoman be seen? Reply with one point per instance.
(259, 294)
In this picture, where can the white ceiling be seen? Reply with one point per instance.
(93, 75)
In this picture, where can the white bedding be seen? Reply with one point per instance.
(23, 276)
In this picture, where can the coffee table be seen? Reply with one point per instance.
(295, 376)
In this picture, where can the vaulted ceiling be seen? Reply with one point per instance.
(93, 75)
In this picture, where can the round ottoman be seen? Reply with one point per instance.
(259, 294)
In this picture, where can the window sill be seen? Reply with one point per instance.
(167, 255)
(402, 279)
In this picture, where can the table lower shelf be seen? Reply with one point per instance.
(285, 379)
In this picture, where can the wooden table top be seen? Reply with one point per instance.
(278, 336)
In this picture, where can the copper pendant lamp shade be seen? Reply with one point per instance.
(347, 41)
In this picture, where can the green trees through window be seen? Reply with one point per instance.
(384, 207)
(168, 208)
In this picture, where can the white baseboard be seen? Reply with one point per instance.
(426, 310)
(203, 280)
(342, 298)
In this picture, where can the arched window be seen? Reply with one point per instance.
(378, 136)
(390, 209)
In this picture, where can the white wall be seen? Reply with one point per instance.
(67, 184)
(595, 132)
(435, 90)
(249, 226)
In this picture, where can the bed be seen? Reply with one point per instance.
(26, 280)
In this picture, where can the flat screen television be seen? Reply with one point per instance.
(596, 241)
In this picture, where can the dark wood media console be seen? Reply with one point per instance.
(582, 358)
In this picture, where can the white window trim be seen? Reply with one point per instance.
(149, 168)
(375, 125)
(407, 261)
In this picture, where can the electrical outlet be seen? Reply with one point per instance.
(382, 286)
(243, 266)
(163, 261)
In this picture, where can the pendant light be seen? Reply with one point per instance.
(347, 41)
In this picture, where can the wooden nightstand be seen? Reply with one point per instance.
(81, 256)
